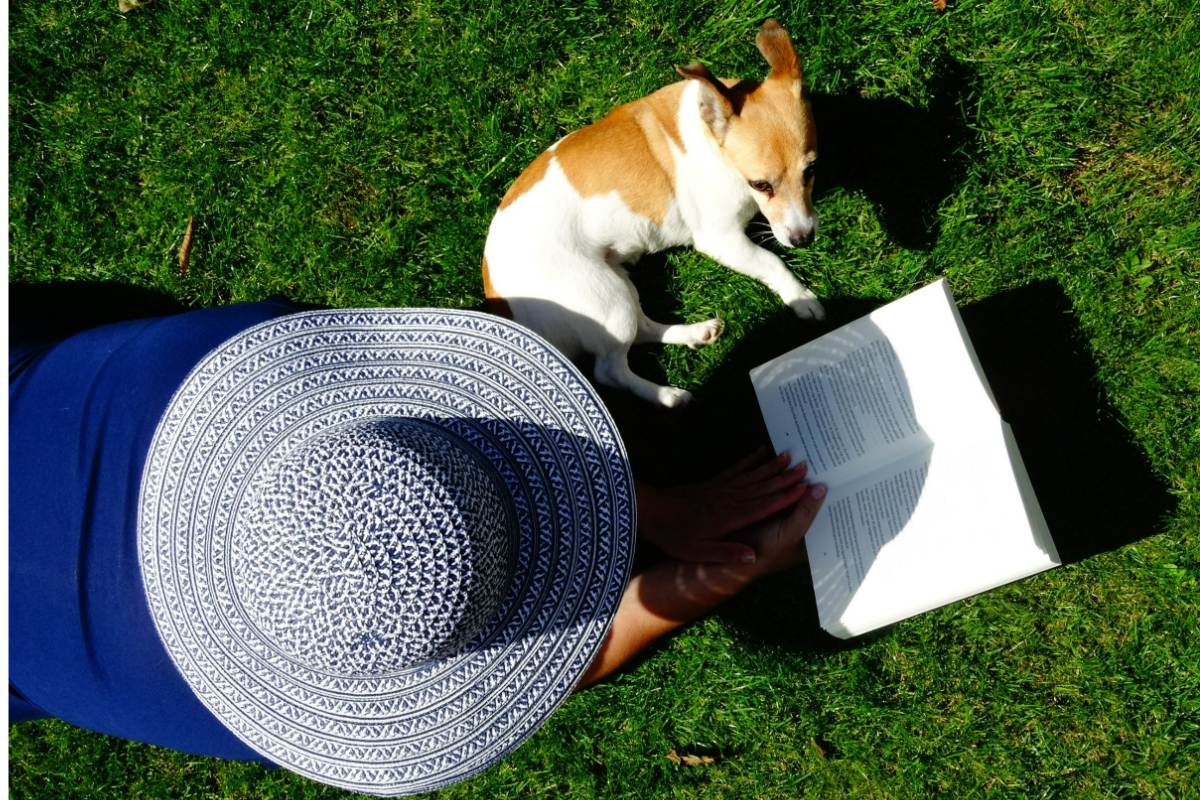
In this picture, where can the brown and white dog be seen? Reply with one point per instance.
(688, 164)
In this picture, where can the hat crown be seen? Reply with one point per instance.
(375, 546)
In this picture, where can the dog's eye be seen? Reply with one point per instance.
(762, 186)
(810, 171)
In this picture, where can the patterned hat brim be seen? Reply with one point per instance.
(495, 385)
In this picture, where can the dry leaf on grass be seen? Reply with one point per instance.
(185, 247)
(125, 6)
(939, 5)
(689, 760)
(815, 746)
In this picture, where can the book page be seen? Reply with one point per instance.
(888, 384)
(936, 526)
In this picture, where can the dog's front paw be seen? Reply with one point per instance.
(706, 332)
(808, 308)
(673, 397)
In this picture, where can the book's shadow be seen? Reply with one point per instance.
(1094, 484)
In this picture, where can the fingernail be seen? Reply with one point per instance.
(817, 491)
(748, 557)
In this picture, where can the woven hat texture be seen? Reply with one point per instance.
(382, 546)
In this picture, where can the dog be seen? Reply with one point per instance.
(688, 164)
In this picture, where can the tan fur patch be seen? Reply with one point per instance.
(778, 108)
(780, 132)
(628, 152)
(532, 175)
(776, 47)
(492, 302)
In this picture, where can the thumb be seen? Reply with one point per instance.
(802, 516)
(786, 547)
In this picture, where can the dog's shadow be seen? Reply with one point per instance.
(905, 160)
(1094, 483)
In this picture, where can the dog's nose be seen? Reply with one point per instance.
(802, 239)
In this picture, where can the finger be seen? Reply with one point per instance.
(751, 510)
(778, 483)
(772, 505)
(806, 510)
(764, 470)
(720, 552)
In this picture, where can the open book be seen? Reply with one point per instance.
(928, 500)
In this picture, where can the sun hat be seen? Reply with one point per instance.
(382, 546)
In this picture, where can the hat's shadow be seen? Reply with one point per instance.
(1095, 485)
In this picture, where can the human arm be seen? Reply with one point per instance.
(672, 593)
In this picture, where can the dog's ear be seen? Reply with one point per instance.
(716, 101)
(776, 46)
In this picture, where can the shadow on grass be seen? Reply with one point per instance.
(1095, 486)
(905, 160)
(678, 446)
(1094, 483)
(47, 312)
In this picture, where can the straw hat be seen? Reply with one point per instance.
(382, 546)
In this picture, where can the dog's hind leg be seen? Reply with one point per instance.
(694, 335)
(608, 320)
(612, 369)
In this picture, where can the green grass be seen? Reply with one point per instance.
(353, 154)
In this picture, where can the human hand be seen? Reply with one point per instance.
(779, 541)
(690, 523)
(670, 593)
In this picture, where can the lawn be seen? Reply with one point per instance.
(1043, 157)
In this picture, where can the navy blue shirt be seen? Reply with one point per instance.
(82, 411)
